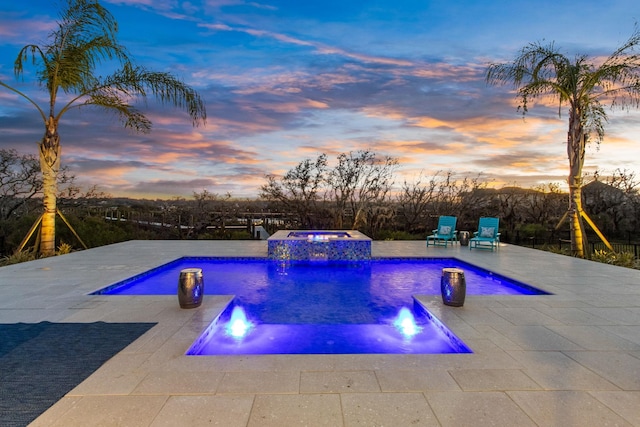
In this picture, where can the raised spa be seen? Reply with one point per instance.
(313, 245)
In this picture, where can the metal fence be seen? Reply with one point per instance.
(633, 248)
(561, 240)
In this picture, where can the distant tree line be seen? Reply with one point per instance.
(359, 192)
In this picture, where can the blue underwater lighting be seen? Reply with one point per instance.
(405, 322)
(238, 326)
(331, 307)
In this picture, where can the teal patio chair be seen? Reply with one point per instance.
(487, 236)
(445, 233)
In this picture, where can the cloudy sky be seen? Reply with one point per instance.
(286, 80)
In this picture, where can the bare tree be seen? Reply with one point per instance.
(447, 193)
(300, 190)
(19, 180)
(624, 180)
(509, 200)
(472, 200)
(613, 201)
(414, 201)
(544, 205)
(360, 181)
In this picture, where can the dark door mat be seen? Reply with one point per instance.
(41, 362)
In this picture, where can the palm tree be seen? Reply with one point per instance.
(585, 85)
(85, 37)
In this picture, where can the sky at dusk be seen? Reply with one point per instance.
(287, 80)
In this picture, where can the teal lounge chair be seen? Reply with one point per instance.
(487, 236)
(445, 233)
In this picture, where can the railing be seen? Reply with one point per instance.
(552, 239)
(633, 248)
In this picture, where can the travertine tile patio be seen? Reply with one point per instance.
(568, 359)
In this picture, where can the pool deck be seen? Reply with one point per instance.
(568, 359)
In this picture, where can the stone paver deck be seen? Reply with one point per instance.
(568, 359)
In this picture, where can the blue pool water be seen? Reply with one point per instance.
(319, 235)
(322, 307)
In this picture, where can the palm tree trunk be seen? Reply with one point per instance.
(576, 142)
(50, 165)
(576, 226)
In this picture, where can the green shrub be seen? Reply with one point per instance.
(17, 257)
(531, 230)
(93, 231)
(13, 231)
(240, 235)
(225, 234)
(622, 259)
(64, 249)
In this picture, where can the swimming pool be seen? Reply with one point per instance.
(322, 307)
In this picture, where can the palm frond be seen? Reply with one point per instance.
(130, 82)
(85, 36)
(130, 116)
(541, 70)
(164, 87)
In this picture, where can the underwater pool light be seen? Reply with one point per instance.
(406, 323)
(238, 326)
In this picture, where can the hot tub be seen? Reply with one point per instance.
(314, 245)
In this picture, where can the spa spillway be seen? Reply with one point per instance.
(311, 245)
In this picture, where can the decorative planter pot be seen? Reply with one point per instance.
(453, 287)
(464, 238)
(190, 287)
